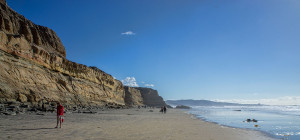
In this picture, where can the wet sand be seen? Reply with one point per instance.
(123, 124)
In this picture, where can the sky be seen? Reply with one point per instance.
(229, 50)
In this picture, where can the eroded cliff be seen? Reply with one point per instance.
(34, 68)
(136, 96)
(151, 97)
(133, 97)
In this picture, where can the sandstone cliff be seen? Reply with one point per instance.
(21, 36)
(33, 68)
(133, 97)
(151, 97)
(143, 96)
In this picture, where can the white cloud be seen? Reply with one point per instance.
(128, 33)
(130, 81)
(149, 85)
(286, 100)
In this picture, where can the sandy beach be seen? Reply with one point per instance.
(125, 124)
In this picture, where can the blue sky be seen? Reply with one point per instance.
(187, 49)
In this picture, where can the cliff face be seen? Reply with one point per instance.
(22, 35)
(133, 97)
(33, 67)
(151, 97)
(3, 2)
(143, 96)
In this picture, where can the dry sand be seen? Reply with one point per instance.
(125, 124)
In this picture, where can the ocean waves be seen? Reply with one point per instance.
(279, 121)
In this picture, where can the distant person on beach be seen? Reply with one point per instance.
(165, 109)
(60, 114)
(162, 110)
(44, 108)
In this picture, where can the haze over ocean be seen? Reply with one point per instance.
(240, 51)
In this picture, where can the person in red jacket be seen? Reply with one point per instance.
(60, 114)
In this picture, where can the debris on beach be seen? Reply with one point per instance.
(251, 120)
(89, 112)
(40, 114)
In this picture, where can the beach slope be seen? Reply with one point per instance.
(126, 124)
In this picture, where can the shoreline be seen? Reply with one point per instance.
(125, 124)
(246, 129)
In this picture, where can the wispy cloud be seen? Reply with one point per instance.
(149, 85)
(286, 100)
(130, 81)
(128, 33)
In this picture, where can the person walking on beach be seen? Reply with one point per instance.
(60, 114)
(162, 110)
(44, 108)
(165, 109)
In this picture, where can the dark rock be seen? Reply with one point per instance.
(251, 120)
(182, 107)
(10, 113)
(2, 107)
(13, 103)
(33, 109)
(25, 106)
(89, 112)
(52, 104)
(13, 108)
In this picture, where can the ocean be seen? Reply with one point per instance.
(281, 122)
